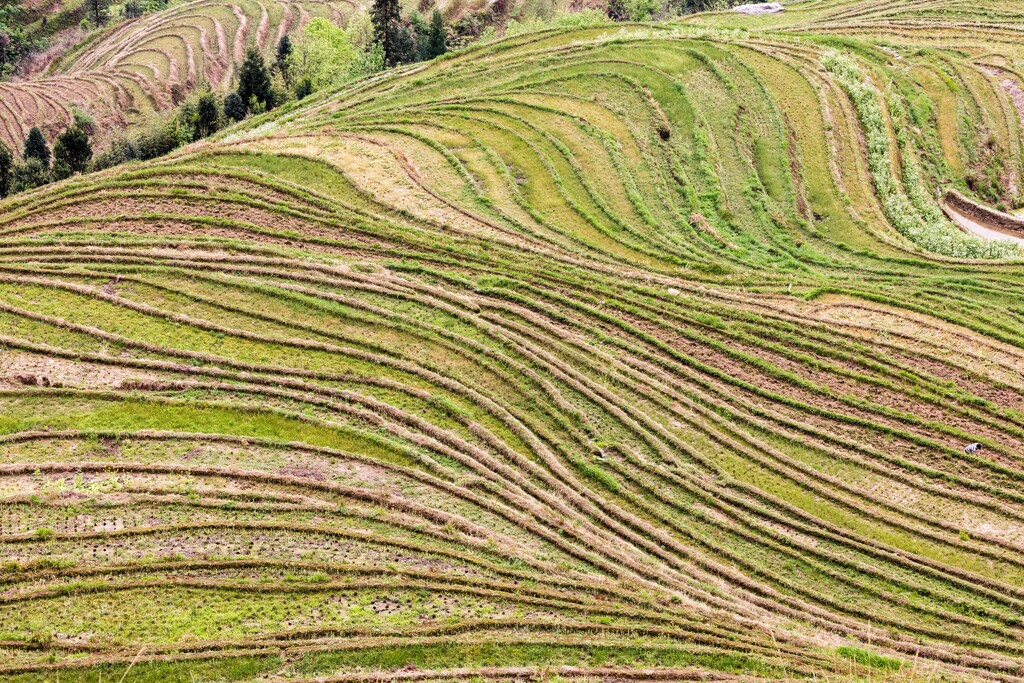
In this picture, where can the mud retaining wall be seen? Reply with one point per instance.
(983, 214)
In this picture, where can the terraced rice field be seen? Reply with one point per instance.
(590, 354)
(140, 66)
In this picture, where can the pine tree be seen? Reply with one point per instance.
(98, 11)
(284, 51)
(254, 81)
(6, 166)
(73, 149)
(36, 148)
(405, 50)
(387, 29)
(437, 43)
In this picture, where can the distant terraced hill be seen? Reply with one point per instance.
(627, 353)
(135, 67)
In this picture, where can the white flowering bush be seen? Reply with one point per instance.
(913, 214)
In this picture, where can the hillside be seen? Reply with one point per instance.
(122, 73)
(636, 352)
(140, 66)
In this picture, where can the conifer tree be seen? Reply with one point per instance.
(98, 11)
(437, 43)
(36, 148)
(6, 166)
(387, 29)
(284, 52)
(254, 81)
(405, 51)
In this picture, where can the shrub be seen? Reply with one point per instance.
(72, 150)
(584, 19)
(82, 120)
(185, 128)
(121, 150)
(207, 115)
(61, 169)
(256, 106)
(490, 33)
(617, 10)
(304, 88)
(28, 175)
(234, 107)
(41, 638)
(133, 9)
(279, 90)
(642, 10)
(371, 61)
(157, 139)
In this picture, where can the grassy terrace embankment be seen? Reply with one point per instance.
(596, 349)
